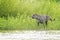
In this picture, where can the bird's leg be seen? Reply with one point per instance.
(46, 23)
(38, 23)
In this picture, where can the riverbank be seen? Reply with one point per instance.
(30, 35)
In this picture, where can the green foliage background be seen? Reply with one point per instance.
(19, 14)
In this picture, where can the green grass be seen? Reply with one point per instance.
(26, 9)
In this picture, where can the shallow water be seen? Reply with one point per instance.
(30, 35)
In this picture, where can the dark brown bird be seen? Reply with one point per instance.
(43, 19)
